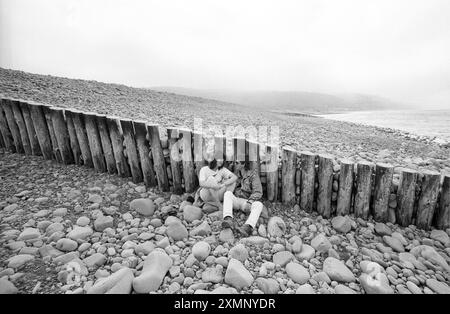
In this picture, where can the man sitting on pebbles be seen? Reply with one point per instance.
(246, 198)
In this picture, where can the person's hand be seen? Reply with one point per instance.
(219, 186)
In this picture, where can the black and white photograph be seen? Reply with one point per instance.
(225, 154)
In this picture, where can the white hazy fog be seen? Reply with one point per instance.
(398, 49)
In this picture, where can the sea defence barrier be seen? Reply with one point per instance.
(138, 150)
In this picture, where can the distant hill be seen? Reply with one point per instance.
(302, 102)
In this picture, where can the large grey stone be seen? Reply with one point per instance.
(155, 268)
(321, 243)
(80, 233)
(177, 231)
(118, 283)
(238, 252)
(282, 258)
(341, 224)
(297, 273)
(191, 213)
(337, 270)
(237, 275)
(276, 227)
(143, 206)
(29, 234)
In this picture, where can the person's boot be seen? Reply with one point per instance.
(246, 230)
(227, 222)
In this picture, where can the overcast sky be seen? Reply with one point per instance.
(394, 48)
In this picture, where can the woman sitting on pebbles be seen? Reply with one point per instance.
(214, 180)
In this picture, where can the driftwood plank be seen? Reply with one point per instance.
(363, 193)
(82, 137)
(272, 172)
(4, 129)
(40, 126)
(199, 148)
(107, 149)
(443, 213)
(190, 178)
(426, 205)
(34, 143)
(346, 175)
(406, 196)
(48, 113)
(325, 189)
(307, 180)
(143, 148)
(252, 151)
(288, 169)
(14, 129)
(62, 135)
(175, 160)
(158, 157)
(74, 144)
(129, 142)
(95, 143)
(382, 190)
(21, 126)
(123, 169)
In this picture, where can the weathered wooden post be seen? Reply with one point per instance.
(199, 147)
(426, 205)
(239, 151)
(175, 160)
(363, 193)
(123, 169)
(307, 180)
(34, 144)
(220, 147)
(129, 141)
(443, 213)
(288, 169)
(190, 178)
(272, 172)
(95, 143)
(21, 126)
(143, 148)
(13, 126)
(77, 156)
(106, 144)
(406, 196)
(383, 182)
(82, 137)
(344, 201)
(62, 135)
(42, 132)
(325, 189)
(158, 157)
(48, 113)
(4, 129)
(252, 151)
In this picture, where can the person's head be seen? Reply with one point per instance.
(220, 160)
(213, 164)
(242, 165)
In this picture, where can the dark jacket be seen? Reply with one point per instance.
(249, 186)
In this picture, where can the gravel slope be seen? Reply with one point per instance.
(304, 133)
